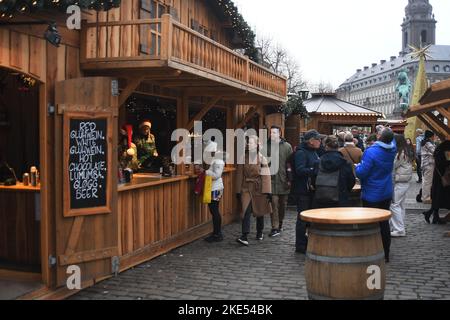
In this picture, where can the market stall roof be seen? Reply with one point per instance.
(437, 92)
(329, 104)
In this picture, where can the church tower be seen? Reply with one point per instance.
(419, 25)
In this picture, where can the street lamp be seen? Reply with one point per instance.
(304, 94)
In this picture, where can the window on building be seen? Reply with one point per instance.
(447, 68)
(150, 34)
(436, 68)
(423, 37)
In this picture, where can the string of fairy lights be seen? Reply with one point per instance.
(11, 8)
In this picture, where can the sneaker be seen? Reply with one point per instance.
(398, 234)
(260, 237)
(274, 233)
(243, 241)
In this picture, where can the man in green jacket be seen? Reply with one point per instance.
(280, 183)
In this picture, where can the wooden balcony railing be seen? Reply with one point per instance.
(167, 40)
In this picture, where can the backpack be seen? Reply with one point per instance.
(327, 186)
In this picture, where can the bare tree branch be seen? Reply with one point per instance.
(277, 59)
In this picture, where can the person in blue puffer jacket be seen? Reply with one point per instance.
(375, 174)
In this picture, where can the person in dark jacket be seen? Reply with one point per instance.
(333, 161)
(306, 169)
(375, 174)
(439, 194)
(357, 136)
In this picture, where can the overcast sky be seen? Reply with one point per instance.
(331, 39)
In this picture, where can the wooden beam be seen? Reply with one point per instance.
(250, 114)
(199, 116)
(418, 109)
(444, 112)
(427, 121)
(437, 125)
(132, 85)
(191, 83)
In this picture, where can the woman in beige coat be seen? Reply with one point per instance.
(253, 186)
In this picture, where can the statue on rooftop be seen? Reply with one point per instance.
(403, 89)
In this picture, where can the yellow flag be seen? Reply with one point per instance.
(420, 87)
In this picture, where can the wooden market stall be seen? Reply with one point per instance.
(329, 115)
(398, 126)
(175, 58)
(433, 110)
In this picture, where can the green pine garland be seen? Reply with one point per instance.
(10, 8)
(241, 26)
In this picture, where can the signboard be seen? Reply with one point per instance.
(87, 164)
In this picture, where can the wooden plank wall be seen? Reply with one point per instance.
(23, 53)
(187, 10)
(162, 214)
(28, 54)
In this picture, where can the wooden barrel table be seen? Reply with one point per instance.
(345, 257)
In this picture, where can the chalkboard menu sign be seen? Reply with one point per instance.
(87, 164)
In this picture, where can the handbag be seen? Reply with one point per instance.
(445, 178)
(207, 190)
(199, 184)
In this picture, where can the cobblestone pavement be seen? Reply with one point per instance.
(419, 268)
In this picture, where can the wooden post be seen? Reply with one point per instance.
(166, 37)
(83, 41)
(262, 115)
(247, 70)
(182, 117)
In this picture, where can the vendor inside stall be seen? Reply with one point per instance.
(146, 147)
(20, 214)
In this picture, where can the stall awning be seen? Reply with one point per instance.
(330, 105)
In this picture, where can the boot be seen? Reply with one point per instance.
(427, 215)
(437, 219)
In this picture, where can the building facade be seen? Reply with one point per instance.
(374, 86)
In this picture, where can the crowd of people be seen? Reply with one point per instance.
(322, 172)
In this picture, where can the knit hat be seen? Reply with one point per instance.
(128, 129)
(429, 134)
(145, 123)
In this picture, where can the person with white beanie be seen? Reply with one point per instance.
(215, 171)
